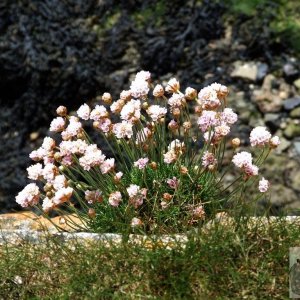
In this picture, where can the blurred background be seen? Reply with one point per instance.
(67, 52)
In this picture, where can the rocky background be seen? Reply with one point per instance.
(55, 52)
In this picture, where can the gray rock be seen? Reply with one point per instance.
(252, 71)
(292, 130)
(291, 103)
(289, 70)
(268, 82)
(284, 145)
(267, 102)
(297, 83)
(281, 195)
(295, 113)
(262, 70)
(297, 147)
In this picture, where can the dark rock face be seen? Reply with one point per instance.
(57, 52)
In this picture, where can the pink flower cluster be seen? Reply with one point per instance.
(263, 185)
(115, 198)
(140, 86)
(29, 196)
(243, 160)
(173, 183)
(216, 125)
(136, 195)
(156, 112)
(260, 136)
(141, 163)
(208, 159)
(92, 157)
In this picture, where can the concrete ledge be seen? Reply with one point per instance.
(28, 235)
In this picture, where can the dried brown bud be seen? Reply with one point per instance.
(167, 196)
(183, 170)
(62, 111)
(145, 147)
(235, 142)
(153, 165)
(92, 213)
(106, 98)
(173, 125)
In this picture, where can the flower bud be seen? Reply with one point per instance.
(274, 142)
(235, 142)
(61, 111)
(198, 110)
(211, 167)
(153, 165)
(61, 168)
(187, 125)
(190, 93)
(176, 112)
(167, 196)
(145, 105)
(173, 125)
(136, 222)
(80, 135)
(48, 187)
(145, 147)
(96, 124)
(173, 86)
(162, 120)
(106, 98)
(158, 91)
(49, 194)
(91, 213)
(183, 170)
(57, 156)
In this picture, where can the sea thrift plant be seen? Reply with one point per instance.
(164, 171)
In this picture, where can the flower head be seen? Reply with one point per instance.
(57, 124)
(84, 112)
(259, 136)
(123, 130)
(115, 198)
(141, 163)
(136, 195)
(131, 111)
(156, 112)
(173, 182)
(29, 195)
(35, 171)
(263, 185)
